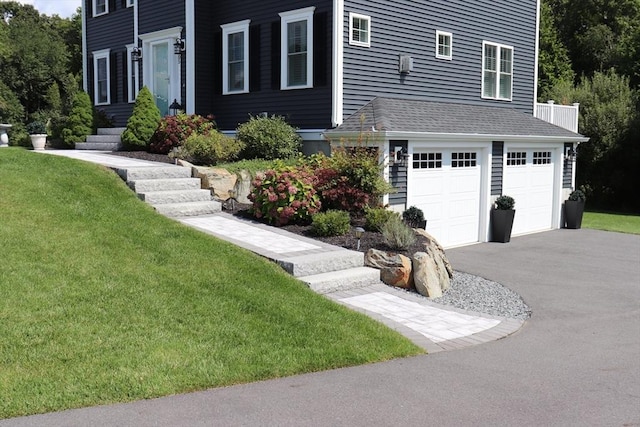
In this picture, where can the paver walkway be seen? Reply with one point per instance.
(431, 326)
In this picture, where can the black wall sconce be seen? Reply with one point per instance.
(178, 46)
(571, 154)
(136, 54)
(400, 156)
(175, 107)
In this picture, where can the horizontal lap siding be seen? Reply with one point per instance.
(497, 167)
(156, 15)
(408, 27)
(567, 171)
(111, 31)
(304, 108)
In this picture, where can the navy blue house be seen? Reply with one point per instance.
(445, 88)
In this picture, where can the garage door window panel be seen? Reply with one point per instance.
(541, 157)
(427, 160)
(516, 158)
(464, 160)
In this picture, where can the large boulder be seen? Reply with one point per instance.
(428, 279)
(219, 181)
(395, 269)
(434, 248)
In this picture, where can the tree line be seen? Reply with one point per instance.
(590, 54)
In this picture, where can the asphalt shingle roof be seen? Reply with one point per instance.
(404, 115)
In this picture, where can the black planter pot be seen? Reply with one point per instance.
(501, 225)
(573, 210)
(417, 224)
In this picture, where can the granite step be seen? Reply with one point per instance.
(176, 210)
(342, 280)
(177, 196)
(172, 184)
(312, 264)
(154, 172)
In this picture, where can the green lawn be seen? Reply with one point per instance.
(102, 300)
(623, 223)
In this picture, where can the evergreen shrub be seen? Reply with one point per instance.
(142, 123)
(331, 223)
(397, 235)
(269, 138)
(80, 121)
(209, 149)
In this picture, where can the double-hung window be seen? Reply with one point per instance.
(497, 71)
(444, 45)
(296, 49)
(101, 83)
(360, 30)
(235, 57)
(100, 7)
(130, 3)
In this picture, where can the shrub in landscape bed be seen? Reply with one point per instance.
(80, 121)
(142, 123)
(209, 149)
(269, 138)
(413, 217)
(173, 131)
(285, 195)
(397, 235)
(331, 223)
(375, 218)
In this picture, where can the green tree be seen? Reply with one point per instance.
(554, 65)
(12, 112)
(80, 120)
(143, 122)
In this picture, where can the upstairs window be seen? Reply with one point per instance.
(497, 71)
(130, 3)
(297, 49)
(100, 7)
(101, 83)
(359, 30)
(444, 45)
(235, 57)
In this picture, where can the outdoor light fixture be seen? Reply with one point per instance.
(400, 156)
(571, 154)
(359, 231)
(178, 46)
(232, 197)
(136, 54)
(174, 107)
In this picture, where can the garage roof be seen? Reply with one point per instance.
(404, 115)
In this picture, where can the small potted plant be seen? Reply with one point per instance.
(38, 133)
(502, 219)
(574, 209)
(414, 218)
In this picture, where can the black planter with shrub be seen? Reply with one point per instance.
(502, 219)
(574, 209)
(414, 218)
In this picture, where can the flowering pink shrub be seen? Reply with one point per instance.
(285, 195)
(173, 131)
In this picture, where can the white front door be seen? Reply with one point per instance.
(161, 67)
(161, 76)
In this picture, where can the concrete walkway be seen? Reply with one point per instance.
(432, 326)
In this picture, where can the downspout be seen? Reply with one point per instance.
(190, 63)
(337, 78)
(84, 48)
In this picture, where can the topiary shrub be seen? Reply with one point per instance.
(505, 203)
(80, 120)
(397, 235)
(577, 196)
(209, 149)
(331, 223)
(285, 195)
(142, 123)
(413, 217)
(269, 138)
(375, 218)
(173, 131)
(36, 128)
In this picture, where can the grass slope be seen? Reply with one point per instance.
(102, 300)
(623, 223)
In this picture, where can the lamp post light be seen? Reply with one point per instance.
(174, 107)
(359, 231)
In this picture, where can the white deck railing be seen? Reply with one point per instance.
(565, 116)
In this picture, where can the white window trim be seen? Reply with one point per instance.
(498, 47)
(233, 28)
(367, 18)
(130, 3)
(106, 8)
(97, 55)
(445, 34)
(132, 89)
(305, 14)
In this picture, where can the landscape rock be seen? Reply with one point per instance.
(428, 279)
(395, 269)
(434, 248)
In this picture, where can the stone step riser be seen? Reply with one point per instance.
(110, 131)
(134, 174)
(164, 197)
(309, 265)
(98, 146)
(103, 138)
(177, 210)
(342, 280)
(148, 185)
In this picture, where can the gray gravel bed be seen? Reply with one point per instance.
(469, 292)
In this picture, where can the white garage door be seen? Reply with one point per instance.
(445, 184)
(528, 178)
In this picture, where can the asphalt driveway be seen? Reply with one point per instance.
(575, 362)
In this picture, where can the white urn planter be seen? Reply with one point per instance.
(4, 137)
(38, 140)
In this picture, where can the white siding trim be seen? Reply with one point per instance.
(305, 14)
(337, 79)
(537, 57)
(234, 28)
(85, 65)
(190, 63)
